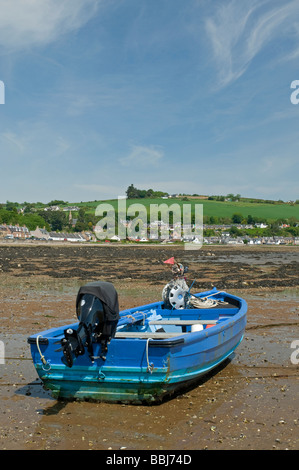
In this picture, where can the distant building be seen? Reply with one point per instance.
(261, 225)
(4, 231)
(70, 208)
(69, 237)
(16, 231)
(52, 208)
(41, 233)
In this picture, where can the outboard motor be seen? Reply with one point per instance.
(98, 314)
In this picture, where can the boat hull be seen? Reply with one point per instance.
(116, 388)
(138, 370)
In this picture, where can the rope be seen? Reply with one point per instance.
(44, 361)
(149, 366)
(205, 302)
(131, 317)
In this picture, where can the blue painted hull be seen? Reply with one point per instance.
(138, 368)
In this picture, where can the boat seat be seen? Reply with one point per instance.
(146, 335)
(183, 322)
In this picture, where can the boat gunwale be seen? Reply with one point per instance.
(224, 323)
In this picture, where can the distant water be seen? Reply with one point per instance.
(250, 258)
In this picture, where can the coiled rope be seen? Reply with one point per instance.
(205, 302)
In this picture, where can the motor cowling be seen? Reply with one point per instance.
(98, 314)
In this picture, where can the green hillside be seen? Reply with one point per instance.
(218, 209)
(82, 215)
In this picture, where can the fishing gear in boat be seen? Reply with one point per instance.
(206, 302)
(176, 294)
(98, 314)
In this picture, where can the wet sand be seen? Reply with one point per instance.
(252, 402)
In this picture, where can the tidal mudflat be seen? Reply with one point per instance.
(252, 402)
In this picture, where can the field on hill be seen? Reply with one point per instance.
(220, 209)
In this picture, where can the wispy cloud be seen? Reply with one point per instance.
(26, 23)
(238, 31)
(142, 157)
(11, 138)
(26, 142)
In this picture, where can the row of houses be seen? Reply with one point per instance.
(43, 234)
(216, 227)
(275, 240)
(23, 233)
(14, 231)
(64, 209)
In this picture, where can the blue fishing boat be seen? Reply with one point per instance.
(140, 354)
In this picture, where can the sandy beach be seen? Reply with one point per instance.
(251, 403)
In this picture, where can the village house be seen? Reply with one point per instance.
(52, 208)
(233, 241)
(15, 231)
(70, 209)
(40, 233)
(69, 237)
(261, 225)
(19, 232)
(4, 230)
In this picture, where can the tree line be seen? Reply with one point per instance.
(134, 193)
(55, 221)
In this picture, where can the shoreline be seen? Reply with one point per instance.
(169, 245)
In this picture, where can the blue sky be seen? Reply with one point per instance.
(182, 96)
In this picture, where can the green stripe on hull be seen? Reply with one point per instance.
(113, 384)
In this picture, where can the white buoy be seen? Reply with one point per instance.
(197, 327)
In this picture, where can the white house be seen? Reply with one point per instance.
(261, 225)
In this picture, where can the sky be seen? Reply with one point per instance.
(181, 96)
